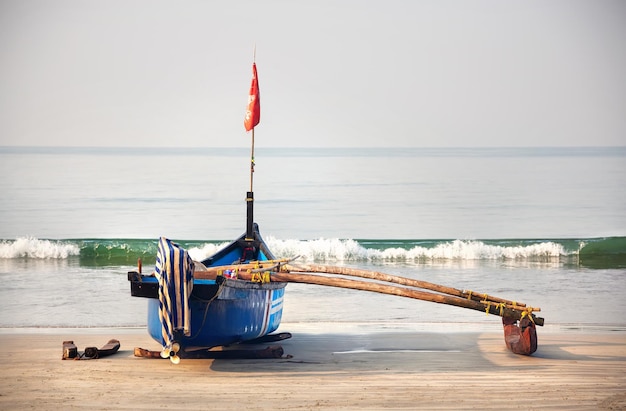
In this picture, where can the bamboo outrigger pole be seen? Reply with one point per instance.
(279, 270)
(375, 275)
(503, 310)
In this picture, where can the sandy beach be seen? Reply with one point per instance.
(366, 370)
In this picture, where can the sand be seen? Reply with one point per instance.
(338, 371)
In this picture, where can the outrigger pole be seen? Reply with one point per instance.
(283, 271)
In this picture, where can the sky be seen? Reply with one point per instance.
(332, 73)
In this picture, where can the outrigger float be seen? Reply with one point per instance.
(236, 295)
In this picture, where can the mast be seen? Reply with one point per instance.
(253, 116)
(250, 198)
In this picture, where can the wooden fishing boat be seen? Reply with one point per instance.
(222, 310)
(236, 295)
(187, 314)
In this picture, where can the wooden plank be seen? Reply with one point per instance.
(265, 353)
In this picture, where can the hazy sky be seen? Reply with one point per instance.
(331, 72)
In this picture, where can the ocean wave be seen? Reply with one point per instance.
(605, 252)
(198, 253)
(352, 250)
(29, 247)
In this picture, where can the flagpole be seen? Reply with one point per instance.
(252, 152)
(252, 162)
(250, 198)
(250, 194)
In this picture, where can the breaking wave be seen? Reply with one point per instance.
(352, 250)
(601, 252)
(29, 247)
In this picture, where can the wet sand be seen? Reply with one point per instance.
(337, 371)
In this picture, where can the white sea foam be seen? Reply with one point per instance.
(478, 250)
(323, 250)
(207, 250)
(350, 250)
(35, 248)
(318, 250)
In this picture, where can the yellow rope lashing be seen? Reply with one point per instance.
(487, 304)
(528, 312)
(502, 306)
(263, 277)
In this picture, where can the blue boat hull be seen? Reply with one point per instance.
(236, 315)
(223, 311)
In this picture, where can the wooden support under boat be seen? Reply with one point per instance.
(269, 352)
(495, 306)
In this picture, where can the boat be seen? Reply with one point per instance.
(222, 311)
(187, 314)
(236, 295)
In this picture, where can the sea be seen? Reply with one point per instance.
(544, 226)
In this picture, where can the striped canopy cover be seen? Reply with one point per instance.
(174, 271)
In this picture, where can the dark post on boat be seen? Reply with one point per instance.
(250, 216)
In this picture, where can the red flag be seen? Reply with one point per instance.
(253, 113)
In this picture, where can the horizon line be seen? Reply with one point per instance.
(14, 146)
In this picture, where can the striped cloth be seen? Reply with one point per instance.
(174, 271)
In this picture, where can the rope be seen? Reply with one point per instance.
(502, 306)
(528, 313)
(487, 306)
(206, 310)
(262, 277)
